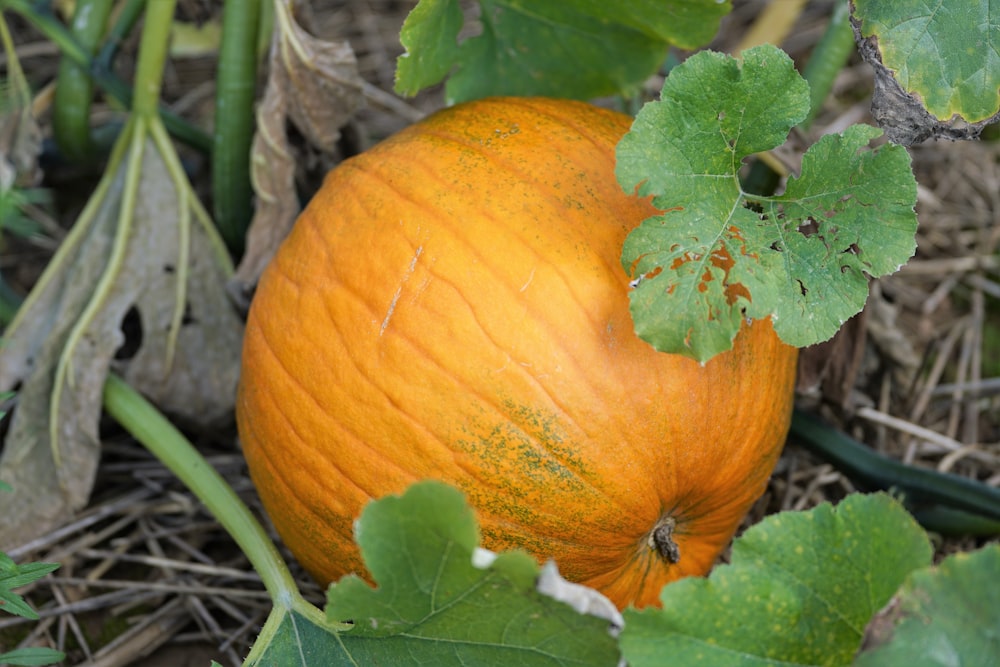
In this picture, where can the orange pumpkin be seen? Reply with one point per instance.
(451, 305)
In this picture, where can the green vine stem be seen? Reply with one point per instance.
(117, 89)
(63, 371)
(828, 58)
(940, 496)
(234, 121)
(954, 523)
(74, 87)
(147, 425)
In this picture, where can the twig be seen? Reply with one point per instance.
(143, 638)
(925, 267)
(70, 620)
(154, 588)
(89, 519)
(982, 387)
(909, 427)
(173, 564)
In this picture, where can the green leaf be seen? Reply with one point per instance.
(946, 53)
(14, 576)
(799, 591)
(13, 202)
(719, 254)
(298, 635)
(430, 37)
(945, 615)
(22, 575)
(434, 606)
(32, 656)
(564, 48)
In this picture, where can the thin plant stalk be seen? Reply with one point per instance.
(773, 25)
(117, 89)
(127, 16)
(152, 56)
(147, 425)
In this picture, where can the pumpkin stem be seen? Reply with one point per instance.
(662, 539)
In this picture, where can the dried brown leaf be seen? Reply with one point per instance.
(272, 171)
(829, 370)
(61, 326)
(314, 85)
(320, 79)
(198, 382)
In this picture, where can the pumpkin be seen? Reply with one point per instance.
(451, 305)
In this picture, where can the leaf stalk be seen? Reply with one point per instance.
(117, 89)
(147, 425)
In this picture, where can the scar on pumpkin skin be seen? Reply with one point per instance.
(399, 290)
(528, 282)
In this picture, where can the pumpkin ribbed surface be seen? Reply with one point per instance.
(451, 305)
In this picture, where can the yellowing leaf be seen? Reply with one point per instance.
(937, 65)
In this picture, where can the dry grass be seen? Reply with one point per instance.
(146, 572)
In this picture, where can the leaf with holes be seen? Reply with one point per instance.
(719, 254)
(142, 259)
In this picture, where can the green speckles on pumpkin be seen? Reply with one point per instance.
(547, 430)
(524, 468)
(529, 445)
